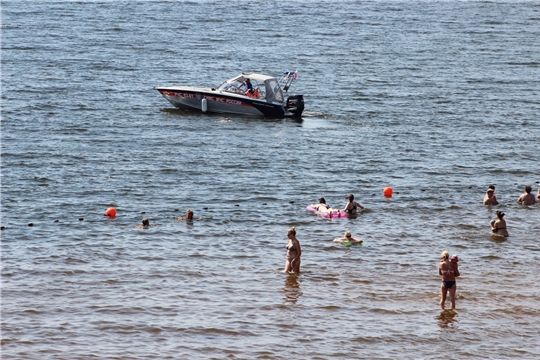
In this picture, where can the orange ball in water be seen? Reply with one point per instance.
(110, 212)
(388, 191)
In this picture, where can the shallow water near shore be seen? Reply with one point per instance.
(435, 99)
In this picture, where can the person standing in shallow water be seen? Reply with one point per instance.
(527, 198)
(490, 198)
(449, 271)
(294, 251)
(498, 227)
(352, 206)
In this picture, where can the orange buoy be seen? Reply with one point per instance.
(110, 212)
(388, 191)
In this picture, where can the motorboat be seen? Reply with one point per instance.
(264, 97)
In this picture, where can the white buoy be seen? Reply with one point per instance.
(204, 105)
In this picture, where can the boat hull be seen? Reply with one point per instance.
(191, 98)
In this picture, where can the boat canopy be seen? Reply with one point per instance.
(267, 86)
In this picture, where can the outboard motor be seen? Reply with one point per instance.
(295, 105)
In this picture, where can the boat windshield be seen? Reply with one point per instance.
(274, 91)
(238, 86)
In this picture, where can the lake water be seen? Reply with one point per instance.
(437, 99)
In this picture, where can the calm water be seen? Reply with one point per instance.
(436, 99)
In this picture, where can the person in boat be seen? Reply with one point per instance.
(348, 238)
(490, 198)
(352, 206)
(527, 198)
(498, 227)
(292, 262)
(249, 88)
(449, 271)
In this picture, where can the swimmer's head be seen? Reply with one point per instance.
(189, 214)
(490, 191)
(528, 189)
(454, 258)
(491, 187)
(322, 201)
(348, 234)
(445, 255)
(291, 231)
(350, 197)
(146, 222)
(499, 214)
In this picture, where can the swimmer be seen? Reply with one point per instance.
(292, 263)
(527, 198)
(145, 224)
(449, 271)
(188, 217)
(498, 227)
(352, 205)
(490, 198)
(538, 196)
(323, 207)
(348, 238)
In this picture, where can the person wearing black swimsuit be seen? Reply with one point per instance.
(292, 263)
(498, 227)
(449, 271)
(352, 205)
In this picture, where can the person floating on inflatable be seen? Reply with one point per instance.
(323, 209)
(348, 239)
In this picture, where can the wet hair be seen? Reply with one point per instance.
(322, 201)
(350, 197)
(348, 234)
(189, 213)
(291, 230)
(445, 255)
(528, 189)
(499, 214)
(491, 187)
(146, 222)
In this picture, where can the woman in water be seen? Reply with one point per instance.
(321, 206)
(527, 198)
(292, 263)
(449, 271)
(499, 226)
(352, 205)
(490, 198)
(348, 238)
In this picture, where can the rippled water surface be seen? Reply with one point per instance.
(435, 99)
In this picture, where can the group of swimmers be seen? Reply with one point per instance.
(498, 225)
(294, 250)
(448, 266)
